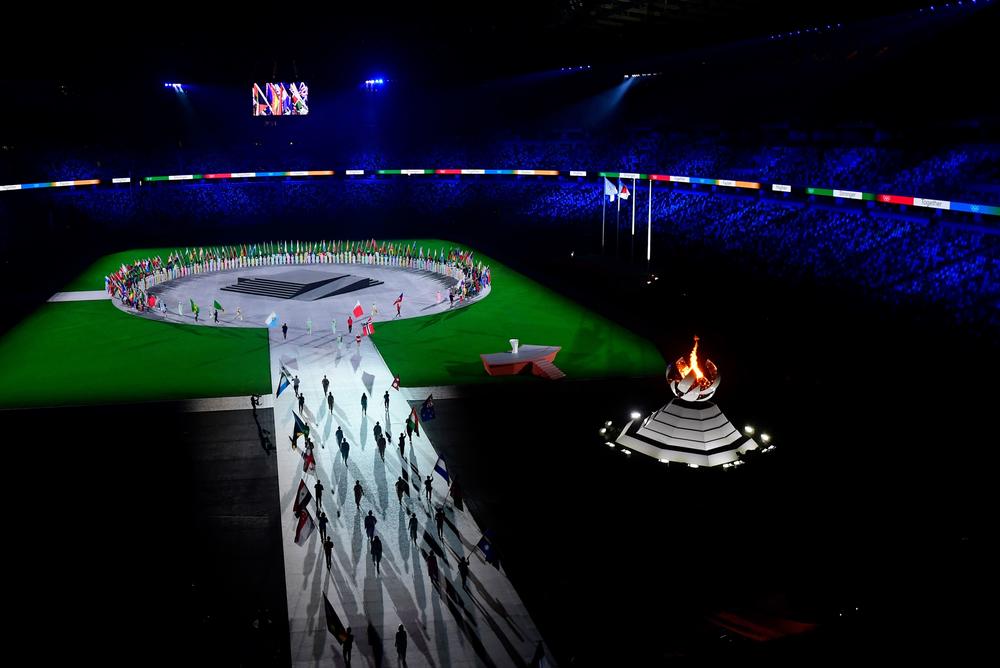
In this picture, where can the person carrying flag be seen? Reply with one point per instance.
(398, 304)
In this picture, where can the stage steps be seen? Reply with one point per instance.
(547, 369)
(305, 291)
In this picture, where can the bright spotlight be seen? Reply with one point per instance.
(748, 430)
(603, 430)
(764, 437)
(635, 415)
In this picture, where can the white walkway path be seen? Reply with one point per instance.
(447, 626)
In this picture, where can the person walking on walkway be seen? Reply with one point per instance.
(409, 430)
(284, 330)
(333, 326)
(348, 645)
(439, 518)
(402, 445)
(329, 401)
(350, 324)
(377, 554)
(381, 447)
(364, 403)
(358, 493)
(302, 401)
(370, 522)
(239, 314)
(295, 384)
(340, 434)
(318, 487)
(400, 489)
(412, 524)
(215, 316)
(428, 485)
(328, 551)
(463, 571)
(386, 397)
(401, 645)
(323, 522)
(326, 384)
(309, 326)
(357, 340)
(377, 430)
(345, 450)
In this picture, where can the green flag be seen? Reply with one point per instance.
(194, 307)
(218, 306)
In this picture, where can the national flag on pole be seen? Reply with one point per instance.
(304, 528)
(442, 469)
(333, 623)
(152, 300)
(623, 193)
(399, 300)
(610, 190)
(308, 462)
(395, 383)
(368, 328)
(302, 498)
(416, 421)
(301, 428)
(282, 384)
(272, 320)
(194, 307)
(427, 410)
(358, 311)
(217, 306)
(485, 545)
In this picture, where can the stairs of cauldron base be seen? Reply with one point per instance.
(547, 369)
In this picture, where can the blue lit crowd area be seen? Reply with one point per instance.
(803, 198)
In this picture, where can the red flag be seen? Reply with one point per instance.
(368, 329)
(152, 300)
(358, 311)
(308, 462)
(395, 383)
(302, 497)
(304, 528)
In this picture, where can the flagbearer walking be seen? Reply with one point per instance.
(319, 494)
(326, 384)
(358, 493)
(329, 401)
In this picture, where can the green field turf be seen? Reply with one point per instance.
(90, 352)
(444, 349)
(72, 353)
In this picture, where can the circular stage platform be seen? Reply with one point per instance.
(299, 293)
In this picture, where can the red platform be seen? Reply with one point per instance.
(538, 358)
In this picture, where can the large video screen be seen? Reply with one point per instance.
(281, 99)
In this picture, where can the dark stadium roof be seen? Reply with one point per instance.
(432, 41)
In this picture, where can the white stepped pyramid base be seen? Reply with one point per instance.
(696, 433)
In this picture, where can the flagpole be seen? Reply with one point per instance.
(618, 217)
(649, 225)
(632, 252)
(604, 210)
